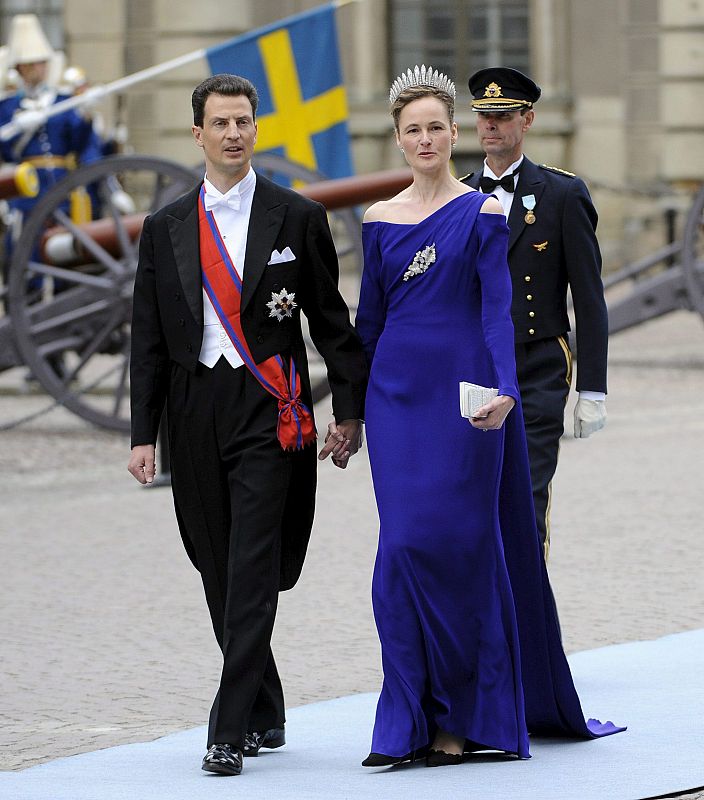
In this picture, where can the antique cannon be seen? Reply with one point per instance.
(70, 285)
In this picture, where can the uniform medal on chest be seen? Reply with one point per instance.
(529, 201)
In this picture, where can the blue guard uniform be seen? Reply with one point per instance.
(53, 148)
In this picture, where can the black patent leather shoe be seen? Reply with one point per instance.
(381, 760)
(270, 740)
(223, 759)
(439, 758)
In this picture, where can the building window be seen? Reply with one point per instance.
(50, 13)
(459, 37)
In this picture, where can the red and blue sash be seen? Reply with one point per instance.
(223, 284)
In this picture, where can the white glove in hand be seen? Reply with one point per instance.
(28, 120)
(589, 417)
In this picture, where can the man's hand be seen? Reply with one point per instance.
(142, 463)
(490, 417)
(342, 440)
(589, 417)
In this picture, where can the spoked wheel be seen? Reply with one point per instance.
(70, 285)
(693, 253)
(346, 229)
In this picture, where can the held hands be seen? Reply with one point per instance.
(342, 440)
(142, 463)
(490, 417)
(589, 417)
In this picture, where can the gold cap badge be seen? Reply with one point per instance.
(493, 90)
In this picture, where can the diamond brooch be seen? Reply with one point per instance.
(421, 263)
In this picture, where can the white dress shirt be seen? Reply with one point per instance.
(233, 225)
(504, 197)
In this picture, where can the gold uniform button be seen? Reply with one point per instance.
(529, 297)
(531, 331)
(531, 313)
(527, 279)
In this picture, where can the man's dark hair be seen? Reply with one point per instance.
(225, 84)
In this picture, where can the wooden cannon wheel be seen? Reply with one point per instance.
(71, 314)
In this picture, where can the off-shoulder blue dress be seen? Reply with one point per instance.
(469, 635)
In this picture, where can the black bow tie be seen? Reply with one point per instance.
(487, 184)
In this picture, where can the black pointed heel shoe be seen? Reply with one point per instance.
(381, 760)
(439, 758)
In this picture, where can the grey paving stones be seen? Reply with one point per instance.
(104, 634)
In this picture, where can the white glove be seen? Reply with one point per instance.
(589, 417)
(28, 120)
(123, 202)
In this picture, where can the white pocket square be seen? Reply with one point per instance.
(279, 258)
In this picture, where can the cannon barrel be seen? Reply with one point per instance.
(359, 189)
(18, 180)
(61, 248)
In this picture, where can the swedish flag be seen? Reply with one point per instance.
(295, 66)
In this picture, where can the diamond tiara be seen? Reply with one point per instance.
(421, 76)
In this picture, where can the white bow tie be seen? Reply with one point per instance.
(233, 201)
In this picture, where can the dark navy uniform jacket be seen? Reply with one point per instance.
(557, 250)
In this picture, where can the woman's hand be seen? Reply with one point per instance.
(491, 416)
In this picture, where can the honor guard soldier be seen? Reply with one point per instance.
(552, 245)
(51, 145)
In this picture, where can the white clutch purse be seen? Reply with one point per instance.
(473, 396)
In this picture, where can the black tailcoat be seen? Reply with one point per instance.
(167, 325)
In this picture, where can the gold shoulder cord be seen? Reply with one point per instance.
(558, 170)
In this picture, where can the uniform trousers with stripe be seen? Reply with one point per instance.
(229, 477)
(544, 370)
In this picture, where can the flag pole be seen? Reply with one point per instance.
(30, 120)
(97, 93)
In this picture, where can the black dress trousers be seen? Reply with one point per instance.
(229, 478)
(544, 370)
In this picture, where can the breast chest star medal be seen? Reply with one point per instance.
(529, 201)
(282, 304)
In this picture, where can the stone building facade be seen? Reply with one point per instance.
(623, 82)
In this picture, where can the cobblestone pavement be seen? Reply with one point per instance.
(105, 637)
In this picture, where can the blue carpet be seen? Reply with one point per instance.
(656, 688)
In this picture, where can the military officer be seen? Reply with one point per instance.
(552, 246)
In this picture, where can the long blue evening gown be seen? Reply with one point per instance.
(469, 636)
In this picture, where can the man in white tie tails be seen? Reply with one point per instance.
(224, 274)
(552, 245)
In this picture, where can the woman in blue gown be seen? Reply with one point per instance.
(470, 644)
